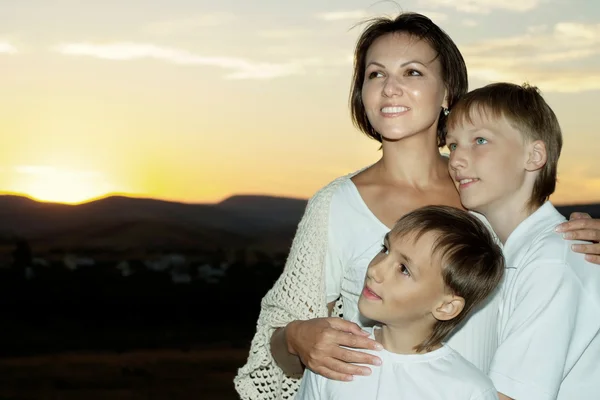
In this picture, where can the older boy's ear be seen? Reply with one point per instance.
(450, 308)
(537, 156)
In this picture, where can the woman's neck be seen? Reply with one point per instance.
(414, 161)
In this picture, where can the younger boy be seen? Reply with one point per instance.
(436, 264)
(504, 143)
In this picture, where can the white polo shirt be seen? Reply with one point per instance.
(549, 318)
(441, 374)
(355, 237)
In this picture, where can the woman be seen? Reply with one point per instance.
(407, 74)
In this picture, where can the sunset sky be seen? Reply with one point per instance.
(196, 100)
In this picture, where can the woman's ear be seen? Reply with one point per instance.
(445, 101)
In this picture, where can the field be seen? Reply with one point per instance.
(138, 375)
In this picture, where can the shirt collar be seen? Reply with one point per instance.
(543, 219)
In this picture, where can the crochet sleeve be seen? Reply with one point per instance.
(298, 294)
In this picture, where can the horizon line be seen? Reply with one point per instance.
(142, 197)
(170, 200)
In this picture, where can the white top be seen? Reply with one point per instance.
(438, 375)
(298, 293)
(355, 236)
(549, 316)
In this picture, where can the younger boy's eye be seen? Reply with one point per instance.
(404, 270)
(481, 140)
(384, 249)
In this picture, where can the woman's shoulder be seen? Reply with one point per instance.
(325, 194)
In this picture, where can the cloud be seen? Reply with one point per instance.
(290, 33)
(7, 48)
(484, 6)
(361, 15)
(189, 24)
(434, 15)
(43, 170)
(343, 15)
(239, 68)
(552, 58)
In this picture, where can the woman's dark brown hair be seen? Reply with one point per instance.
(454, 70)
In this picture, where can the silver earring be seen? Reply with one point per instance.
(446, 111)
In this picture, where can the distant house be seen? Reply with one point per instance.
(74, 262)
(125, 268)
(166, 262)
(180, 269)
(210, 274)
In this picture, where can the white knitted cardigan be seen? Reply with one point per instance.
(298, 294)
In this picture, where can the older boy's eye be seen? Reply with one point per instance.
(452, 146)
(481, 140)
(404, 270)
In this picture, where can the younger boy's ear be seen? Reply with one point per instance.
(537, 156)
(450, 308)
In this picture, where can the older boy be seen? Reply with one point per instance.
(436, 264)
(504, 143)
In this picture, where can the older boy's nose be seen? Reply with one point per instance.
(457, 160)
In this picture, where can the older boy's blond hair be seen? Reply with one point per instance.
(527, 111)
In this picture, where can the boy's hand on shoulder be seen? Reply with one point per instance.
(582, 226)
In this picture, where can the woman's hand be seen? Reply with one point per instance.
(317, 343)
(582, 226)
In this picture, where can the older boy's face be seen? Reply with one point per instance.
(487, 163)
(403, 282)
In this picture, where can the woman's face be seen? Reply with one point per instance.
(403, 90)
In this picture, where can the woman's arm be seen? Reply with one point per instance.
(316, 344)
(290, 363)
(582, 226)
(297, 296)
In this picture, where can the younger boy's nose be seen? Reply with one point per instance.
(375, 271)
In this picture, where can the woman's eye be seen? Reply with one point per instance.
(413, 72)
(375, 74)
(481, 140)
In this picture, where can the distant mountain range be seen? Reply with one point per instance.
(125, 223)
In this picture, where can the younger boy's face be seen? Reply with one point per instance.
(487, 163)
(403, 282)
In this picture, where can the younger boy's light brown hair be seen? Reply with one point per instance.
(472, 261)
(525, 110)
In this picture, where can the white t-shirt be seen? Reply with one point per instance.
(549, 316)
(438, 375)
(355, 237)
